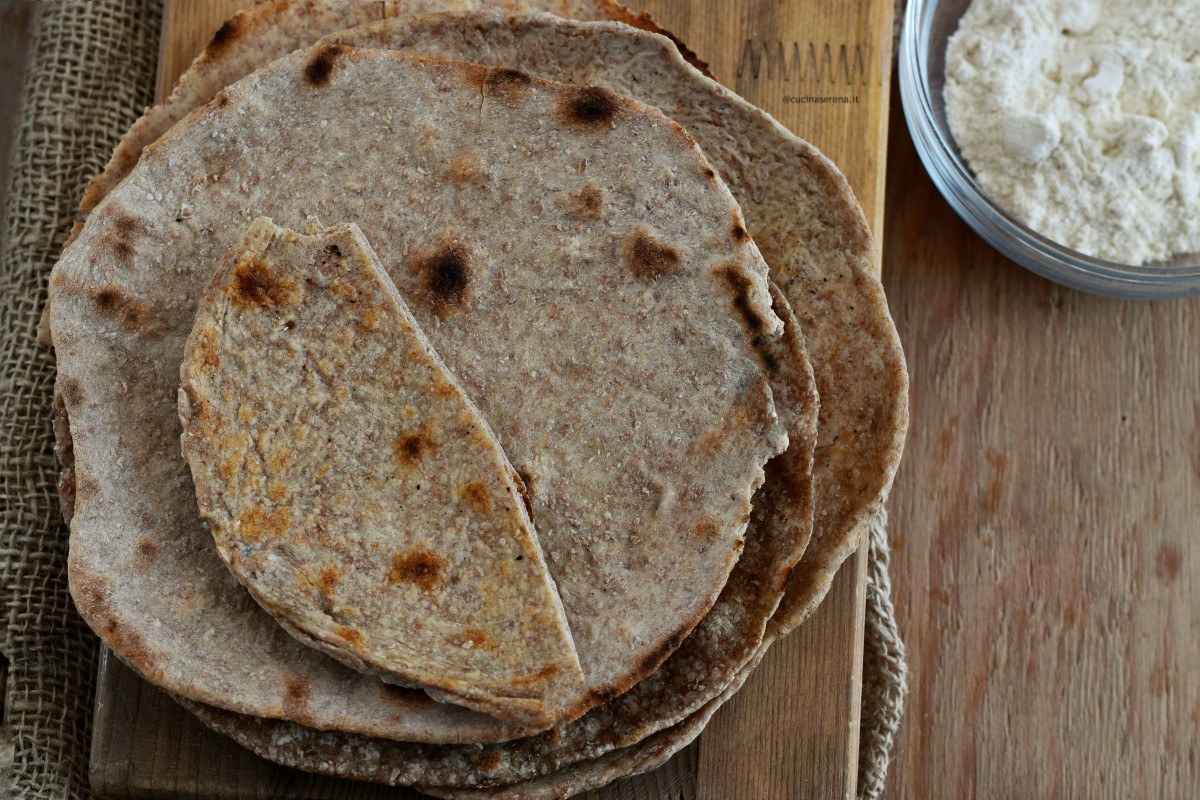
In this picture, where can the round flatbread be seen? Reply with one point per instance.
(604, 311)
(808, 220)
(799, 210)
(713, 656)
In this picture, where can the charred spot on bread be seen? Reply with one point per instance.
(121, 236)
(421, 567)
(413, 446)
(658, 655)
(476, 495)
(708, 529)
(738, 231)
(509, 85)
(318, 72)
(127, 312)
(464, 169)
(225, 36)
(524, 481)
(447, 272)
(591, 107)
(255, 285)
(740, 286)
(147, 551)
(296, 689)
(589, 202)
(94, 598)
(650, 259)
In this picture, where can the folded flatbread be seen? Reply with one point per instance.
(571, 255)
(354, 489)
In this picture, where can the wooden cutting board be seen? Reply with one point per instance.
(823, 68)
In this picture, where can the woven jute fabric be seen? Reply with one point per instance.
(90, 75)
(91, 72)
(885, 671)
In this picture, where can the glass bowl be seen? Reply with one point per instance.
(928, 24)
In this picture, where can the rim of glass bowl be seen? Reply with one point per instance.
(988, 218)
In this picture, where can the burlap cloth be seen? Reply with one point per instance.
(91, 72)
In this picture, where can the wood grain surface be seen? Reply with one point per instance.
(1045, 522)
(821, 67)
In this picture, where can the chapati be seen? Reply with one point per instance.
(710, 658)
(599, 296)
(799, 210)
(813, 226)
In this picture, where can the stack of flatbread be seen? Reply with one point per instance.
(464, 395)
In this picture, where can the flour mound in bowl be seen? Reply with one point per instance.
(1082, 119)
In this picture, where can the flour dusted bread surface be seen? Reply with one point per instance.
(354, 489)
(572, 257)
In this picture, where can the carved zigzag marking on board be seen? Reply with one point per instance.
(803, 62)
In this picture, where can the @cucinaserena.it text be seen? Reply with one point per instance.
(817, 99)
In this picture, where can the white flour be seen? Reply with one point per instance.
(1082, 118)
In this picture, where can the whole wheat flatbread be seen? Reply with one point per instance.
(271, 29)
(712, 656)
(800, 212)
(644, 756)
(353, 488)
(807, 220)
(609, 318)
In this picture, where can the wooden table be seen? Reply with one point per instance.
(1046, 521)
